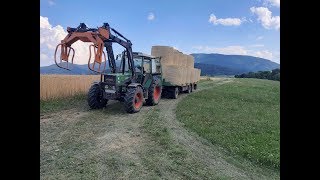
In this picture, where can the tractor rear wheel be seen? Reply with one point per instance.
(133, 100)
(95, 97)
(154, 95)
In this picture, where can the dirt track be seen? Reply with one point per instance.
(109, 144)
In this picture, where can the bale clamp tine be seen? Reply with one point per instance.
(65, 54)
(94, 62)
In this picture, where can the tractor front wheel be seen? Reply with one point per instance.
(95, 97)
(154, 95)
(133, 100)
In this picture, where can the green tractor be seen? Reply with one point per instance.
(138, 78)
(145, 84)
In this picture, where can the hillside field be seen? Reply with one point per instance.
(227, 129)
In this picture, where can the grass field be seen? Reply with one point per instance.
(79, 143)
(242, 117)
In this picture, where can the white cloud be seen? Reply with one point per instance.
(44, 22)
(225, 22)
(257, 45)
(51, 2)
(238, 50)
(276, 56)
(263, 54)
(51, 36)
(151, 17)
(272, 3)
(232, 50)
(176, 48)
(259, 38)
(44, 57)
(265, 17)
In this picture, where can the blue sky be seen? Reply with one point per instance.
(248, 27)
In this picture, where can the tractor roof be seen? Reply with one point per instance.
(140, 54)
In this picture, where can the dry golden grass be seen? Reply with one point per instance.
(58, 86)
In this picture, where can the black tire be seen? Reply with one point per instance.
(195, 86)
(95, 97)
(191, 87)
(188, 90)
(133, 99)
(174, 92)
(154, 95)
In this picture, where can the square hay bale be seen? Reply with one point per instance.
(189, 73)
(184, 60)
(197, 72)
(193, 75)
(190, 61)
(174, 74)
(165, 52)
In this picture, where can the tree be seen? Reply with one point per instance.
(271, 75)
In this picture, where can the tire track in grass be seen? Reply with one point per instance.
(111, 144)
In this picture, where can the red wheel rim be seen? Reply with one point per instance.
(138, 100)
(157, 92)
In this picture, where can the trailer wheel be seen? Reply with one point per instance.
(174, 92)
(189, 89)
(133, 100)
(95, 97)
(154, 95)
(195, 86)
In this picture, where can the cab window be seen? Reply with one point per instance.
(147, 66)
(156, 67)
(138, 64)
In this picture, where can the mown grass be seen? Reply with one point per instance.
(242, 116)
(58, 104)
(68, 147)
(166, 159)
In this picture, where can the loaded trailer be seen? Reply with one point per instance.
(178, 72)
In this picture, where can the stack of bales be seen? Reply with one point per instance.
(177, 68)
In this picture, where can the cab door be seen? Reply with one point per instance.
(147, 73)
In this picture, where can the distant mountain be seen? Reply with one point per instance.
(209, 69)
(210, 64)
(76, 69)
(236, 63)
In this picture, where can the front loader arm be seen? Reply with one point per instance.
(100, 37)
(126, 44)
(84, 34)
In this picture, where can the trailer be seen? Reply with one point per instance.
(172, 90)
(177, 69)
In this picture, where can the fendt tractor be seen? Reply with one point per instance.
(139, 75)
(138, 78)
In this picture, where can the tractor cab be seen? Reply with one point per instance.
(145, 67)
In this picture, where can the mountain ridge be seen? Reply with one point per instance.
(210, 64)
